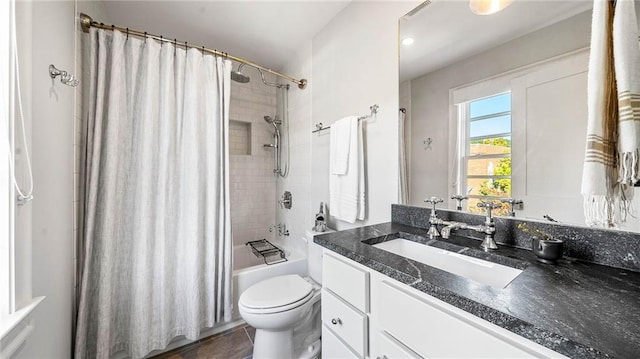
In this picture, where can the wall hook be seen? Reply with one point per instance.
(65, 78)
(427, 143)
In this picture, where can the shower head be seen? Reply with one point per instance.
(270, 120)
(274, 123)
(238, 76)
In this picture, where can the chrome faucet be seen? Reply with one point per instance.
(459, 198)
(446, 230)
(433, 218)
(512, 203)
(488, 227)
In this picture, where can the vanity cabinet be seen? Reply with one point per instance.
(401, 322)
(345, 303)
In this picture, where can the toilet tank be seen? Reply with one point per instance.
(314, 255)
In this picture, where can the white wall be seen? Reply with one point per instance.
(355, 65)
(23, 214)
(301, 215)
(430, 96)
(52, 42)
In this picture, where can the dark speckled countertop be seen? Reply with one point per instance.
(576, 308)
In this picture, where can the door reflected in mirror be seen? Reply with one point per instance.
(502, 102)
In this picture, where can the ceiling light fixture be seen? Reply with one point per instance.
(407, 41)
(488, 7)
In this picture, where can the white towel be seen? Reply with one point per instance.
(343, 132)
(347, 192)
(606, 193)
(626, 54)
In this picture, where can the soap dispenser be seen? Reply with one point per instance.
(321, 224)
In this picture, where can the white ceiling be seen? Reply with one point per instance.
(266, 32)
(447, 31)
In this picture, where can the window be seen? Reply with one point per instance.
(486, 137)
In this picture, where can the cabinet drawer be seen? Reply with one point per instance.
(345, 321)
(334, 348)
(347, 281)
(390, 348)
(433, 330)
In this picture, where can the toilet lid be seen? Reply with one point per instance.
(276, 292)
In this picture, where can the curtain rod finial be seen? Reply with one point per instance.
(85, 22)
(303, 84)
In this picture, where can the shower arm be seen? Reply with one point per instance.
(264, 81)
(86, 22)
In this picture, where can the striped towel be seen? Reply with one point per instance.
(626, 54)
(611, 158)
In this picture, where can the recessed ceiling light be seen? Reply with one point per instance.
(407, 41)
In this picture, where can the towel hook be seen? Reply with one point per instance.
(65, 77)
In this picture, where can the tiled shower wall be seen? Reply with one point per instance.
(253, 184)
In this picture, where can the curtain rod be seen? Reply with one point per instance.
(87, 22)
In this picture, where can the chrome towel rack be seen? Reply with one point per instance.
(373, 108)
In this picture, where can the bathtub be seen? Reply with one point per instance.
(248, 270)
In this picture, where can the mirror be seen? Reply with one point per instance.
(509, 89)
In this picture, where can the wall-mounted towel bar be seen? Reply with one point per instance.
(373, 108)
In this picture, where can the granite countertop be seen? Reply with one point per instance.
(576, 308)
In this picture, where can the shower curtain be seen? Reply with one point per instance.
(156, 227)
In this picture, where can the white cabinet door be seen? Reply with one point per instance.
(333, 348)
(435, 331)
(347, 281)
(348, 323)
(389, 347)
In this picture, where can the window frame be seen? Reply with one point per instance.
(464, 140)
(7, 203)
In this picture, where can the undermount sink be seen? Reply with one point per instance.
(481, 271)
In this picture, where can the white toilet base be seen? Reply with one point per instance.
(273, 344)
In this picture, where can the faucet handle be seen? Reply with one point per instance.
(512, 203)
(433, 201)
(489, 206)
(459, 198)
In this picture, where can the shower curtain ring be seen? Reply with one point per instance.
(145, 37)
(161, 41)
(127, 33)
(202, 51)
(186, 46)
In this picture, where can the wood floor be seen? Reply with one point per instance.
(235, 343)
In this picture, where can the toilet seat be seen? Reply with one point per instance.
(277, 294)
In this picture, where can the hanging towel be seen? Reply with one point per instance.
(606, 198)
(347, 192)
(343, 132)
(626, 54)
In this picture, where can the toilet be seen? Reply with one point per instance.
(285, 310)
